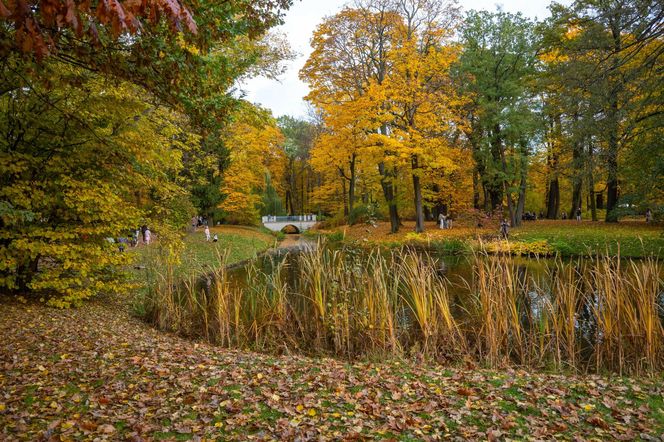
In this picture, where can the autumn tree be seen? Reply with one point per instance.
(300, 180)
(187, 56)
(115, 114)
(83, 159)
(387, 64)
(497, 67)
(609, 53)
(349, 58)
(421, 103)
(256, 158)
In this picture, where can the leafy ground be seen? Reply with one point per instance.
(568, 238)
(99, 373)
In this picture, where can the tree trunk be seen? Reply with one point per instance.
(591, 181)
(345, 197)
(388, 192)
(553, 199)
(615, 88)
(522, 198)
(351, 184)
(387, 184)
(576, 196)
(476, 189)
(496, 195)
(417, 189)
(303, 206)
(612, 181)
(591, 192)
(497, 187)
(553, 185)
(487, 198)
(577, 174)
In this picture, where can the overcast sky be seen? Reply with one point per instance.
(286, 96)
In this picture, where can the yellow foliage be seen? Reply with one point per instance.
(518, 248)
(398, 112)
(254, 141)
(109, 169)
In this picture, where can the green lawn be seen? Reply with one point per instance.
(569, 238)
(239, 242)
(199, 255)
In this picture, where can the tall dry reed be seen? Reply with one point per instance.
(585, 316)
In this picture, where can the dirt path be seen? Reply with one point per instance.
(97, 373)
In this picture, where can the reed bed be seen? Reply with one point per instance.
(597, 315)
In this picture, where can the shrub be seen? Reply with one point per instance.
(335, 236)
(453, 247)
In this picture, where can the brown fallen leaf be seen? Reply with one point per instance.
(106, 429)
(463, 391)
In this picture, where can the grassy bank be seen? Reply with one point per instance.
(633, 239)
(198, 255)
(569, 238)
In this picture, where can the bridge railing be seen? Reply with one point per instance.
(293, 218)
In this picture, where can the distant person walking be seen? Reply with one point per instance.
(564, 215)
(441, 220)
(147, 236)
(207, 233)
(648, 216)
(504, 229)
(578, 214)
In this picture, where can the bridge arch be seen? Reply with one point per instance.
(295, 229)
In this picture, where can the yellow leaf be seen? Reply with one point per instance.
(2, 407)
(311, 412)
(588, 407)
(299, 408)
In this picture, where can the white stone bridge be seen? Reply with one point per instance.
(300, 222)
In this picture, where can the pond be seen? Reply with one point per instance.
(583, 315)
